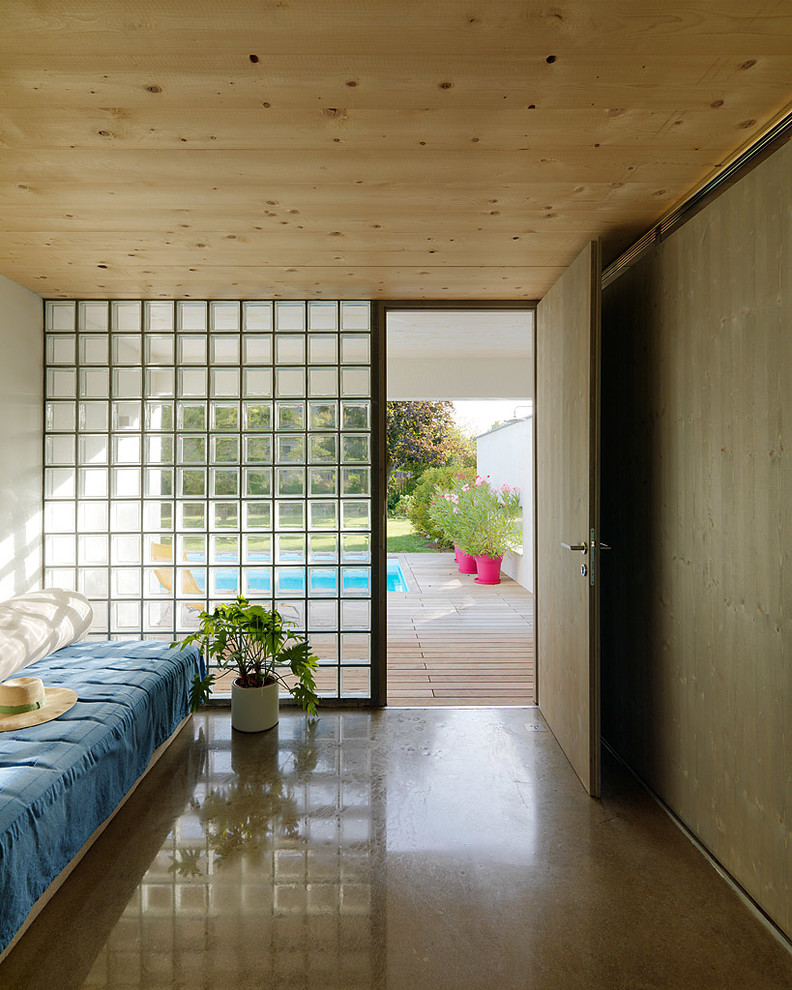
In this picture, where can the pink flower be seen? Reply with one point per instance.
(465, 488)
(456, 511)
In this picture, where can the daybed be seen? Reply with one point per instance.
(61, 781)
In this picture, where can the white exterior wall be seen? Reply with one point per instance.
(21, 415)
(450, 377)
(506, 455)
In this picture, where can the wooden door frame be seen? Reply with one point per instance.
(381, 307)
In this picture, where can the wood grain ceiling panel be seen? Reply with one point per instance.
(428, 150)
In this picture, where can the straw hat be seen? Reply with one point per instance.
(25, 702)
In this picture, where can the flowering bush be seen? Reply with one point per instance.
(481, 520)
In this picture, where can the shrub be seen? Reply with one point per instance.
(418, 510)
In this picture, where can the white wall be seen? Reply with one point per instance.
(460, 378)
(21, 428)
(506, 455)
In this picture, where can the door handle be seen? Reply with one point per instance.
(581, 547)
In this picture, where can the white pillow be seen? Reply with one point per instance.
(34, 625)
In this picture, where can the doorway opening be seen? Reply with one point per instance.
(460, 411)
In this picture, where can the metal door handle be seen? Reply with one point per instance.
(581, 547)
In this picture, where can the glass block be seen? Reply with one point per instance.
(290, 548)
(258, 515)
(225, 515)
(355, 581)
(125, 481)
(257, 415)
(93, 582)
(355, 514)
(323, 348)
(355, 647)
(325, 646)
(322, 481)
(322, 514)
(59, 517)
(323, 614)
(60, 449)
(257, 349)
(59, 315)
(224, 381)
(124, 549)
(289, 580)
(94, 383)
(160, 349)
(258, 482)
(191, 315)
(225, 549)
(257, 316)
(93, 517)
(59, 550)
(192, 515)
(125, 315)
(289, 515)
(290, 482)
(61, 383)
(323, 548)
(187, 616)
(124, 516)
(192, 548)
(191, 348)
(355, 682)
(158, 548)
(60, 577)
(356, 548)
(59, 482)
(257, 383)
(355, 381)
(322, 415)
(257, 548)
(322, 316)
(225, 482)
(327, 682)
(158, 515)
(356, 481)
(192, 450)
(289, 382)
(289, 315)
(322, 448)
(127, 348)
(322, 581)
(293, 613)
(224, 581)
(355, 448)
(225, 450)
(256, 581)
(126, 415)
(191, 415)
(125, 616)
(159, 415)
(93, 317)
(92, 550)
(290, 448)
(93, 482)
(159, 449)
(93, 416)
(158, 315)
(225, 415)
(127, 383)
(322, 381)
(60, 416)
(126, 449)
(160, 381)
(356, 614)
(191, 482)
(157, 583)
(355, 348)
(355, 415)
(61, 349)
(258, 450)
(224, 315)
(355, 315)
(289, 349)
(191, 382)
(94, 349)
(290, 415)
(158, 482)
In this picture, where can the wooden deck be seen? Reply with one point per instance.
(454, 642)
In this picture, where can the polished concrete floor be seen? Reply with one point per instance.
(396, 849)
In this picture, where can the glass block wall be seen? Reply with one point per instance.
(197, 450)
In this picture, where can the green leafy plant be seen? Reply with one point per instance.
(418, 512)
(257, 643)
(488, 519)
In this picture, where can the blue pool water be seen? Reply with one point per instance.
(291, 580)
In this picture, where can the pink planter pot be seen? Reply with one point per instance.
(467, 564)
(489, 569)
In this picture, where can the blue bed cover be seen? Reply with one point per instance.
(60, 780)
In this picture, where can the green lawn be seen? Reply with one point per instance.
(403, 539)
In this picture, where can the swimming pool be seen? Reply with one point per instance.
(292, 580)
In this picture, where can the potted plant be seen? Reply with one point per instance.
(489, 526)
(447, 511)
(255, 642)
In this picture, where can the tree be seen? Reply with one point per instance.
(419, 433)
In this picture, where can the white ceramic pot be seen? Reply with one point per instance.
(254, 709)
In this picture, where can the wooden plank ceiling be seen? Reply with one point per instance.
(428, 149)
